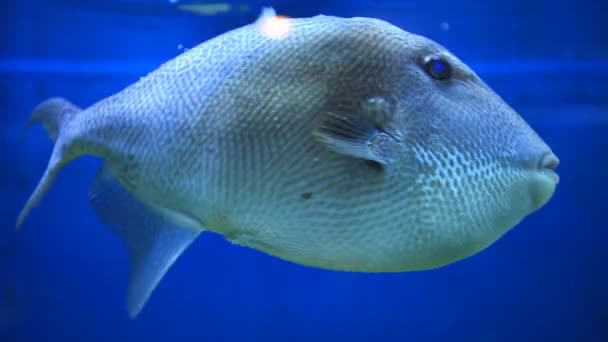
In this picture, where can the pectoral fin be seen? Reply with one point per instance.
(357, 137)
(153, 239)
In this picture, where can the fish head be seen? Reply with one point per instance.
(454, 165)
(479, 167)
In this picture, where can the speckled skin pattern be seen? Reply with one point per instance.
(221, 136)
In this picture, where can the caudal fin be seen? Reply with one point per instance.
(54, 115)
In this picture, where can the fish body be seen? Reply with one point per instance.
(345, 144)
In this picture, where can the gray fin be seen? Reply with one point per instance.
(153, 241)
(358, 137)
(54, 115)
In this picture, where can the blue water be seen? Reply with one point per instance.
(64, 276)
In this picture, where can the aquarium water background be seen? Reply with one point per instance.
(64, 276)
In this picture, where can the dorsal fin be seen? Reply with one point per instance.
(153, 239)
(267, 12)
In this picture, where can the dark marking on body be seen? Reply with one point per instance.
(376, 166)
(307, 195)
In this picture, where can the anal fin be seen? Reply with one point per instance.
(154, 240)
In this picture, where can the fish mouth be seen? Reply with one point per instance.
(545, 180)
(551, 175)
(547, 165)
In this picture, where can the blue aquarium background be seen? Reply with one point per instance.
(64, 276)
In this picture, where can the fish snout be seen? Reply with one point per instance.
(549, 161)
(544, 180)
(547, 165)
(538, 158)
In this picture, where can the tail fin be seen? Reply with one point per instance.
(54, 114)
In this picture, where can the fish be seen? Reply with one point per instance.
(206, 9)
(345, 144)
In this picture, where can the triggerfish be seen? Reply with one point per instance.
(345, 144)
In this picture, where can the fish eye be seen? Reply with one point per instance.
(438, 68)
